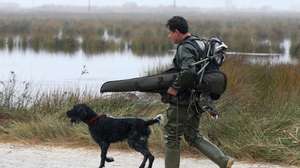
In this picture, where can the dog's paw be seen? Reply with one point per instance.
(109, 159)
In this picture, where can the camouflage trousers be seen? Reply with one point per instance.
(181, 121)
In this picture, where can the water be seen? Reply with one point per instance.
(48, 71)
(284, 58)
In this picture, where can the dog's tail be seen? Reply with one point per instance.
(155, 120)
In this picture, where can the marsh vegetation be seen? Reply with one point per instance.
(145, 34)
(260, 109)
(260, 114)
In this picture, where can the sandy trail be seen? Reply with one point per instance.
(13, 156)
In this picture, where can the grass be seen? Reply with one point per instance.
(260, 114)
(262, 121)
(146, 35)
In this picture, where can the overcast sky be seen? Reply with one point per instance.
(274, 4)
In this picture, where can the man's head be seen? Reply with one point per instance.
(178, 29)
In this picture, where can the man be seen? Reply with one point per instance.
(182, 118)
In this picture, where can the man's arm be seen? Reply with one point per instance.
(185, 58)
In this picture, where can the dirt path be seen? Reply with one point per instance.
(15, 156)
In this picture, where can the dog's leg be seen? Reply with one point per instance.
(132, 143)
(144, 147)
(141, 146)
(147, 155)
(150, 157)
(104, 147)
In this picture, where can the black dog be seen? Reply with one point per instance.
(105, 130)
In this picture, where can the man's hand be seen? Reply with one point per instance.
(172, 91)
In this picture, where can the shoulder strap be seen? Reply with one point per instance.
(199, 44)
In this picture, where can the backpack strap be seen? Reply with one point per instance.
(199, 44)
(202, 46)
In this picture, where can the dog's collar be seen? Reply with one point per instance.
(93, 120)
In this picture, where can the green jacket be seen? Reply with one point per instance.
(186, 54)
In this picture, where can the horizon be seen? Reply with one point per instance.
(292, 5)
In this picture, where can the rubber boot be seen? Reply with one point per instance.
(211, 151)
(172, 158)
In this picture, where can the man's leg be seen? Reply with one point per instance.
(172, 154)
(194, 138)
(211, 151)
(172, 132)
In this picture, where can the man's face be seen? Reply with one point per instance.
(175, 37)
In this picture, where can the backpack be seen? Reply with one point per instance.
(213, 48)
(211, 56)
